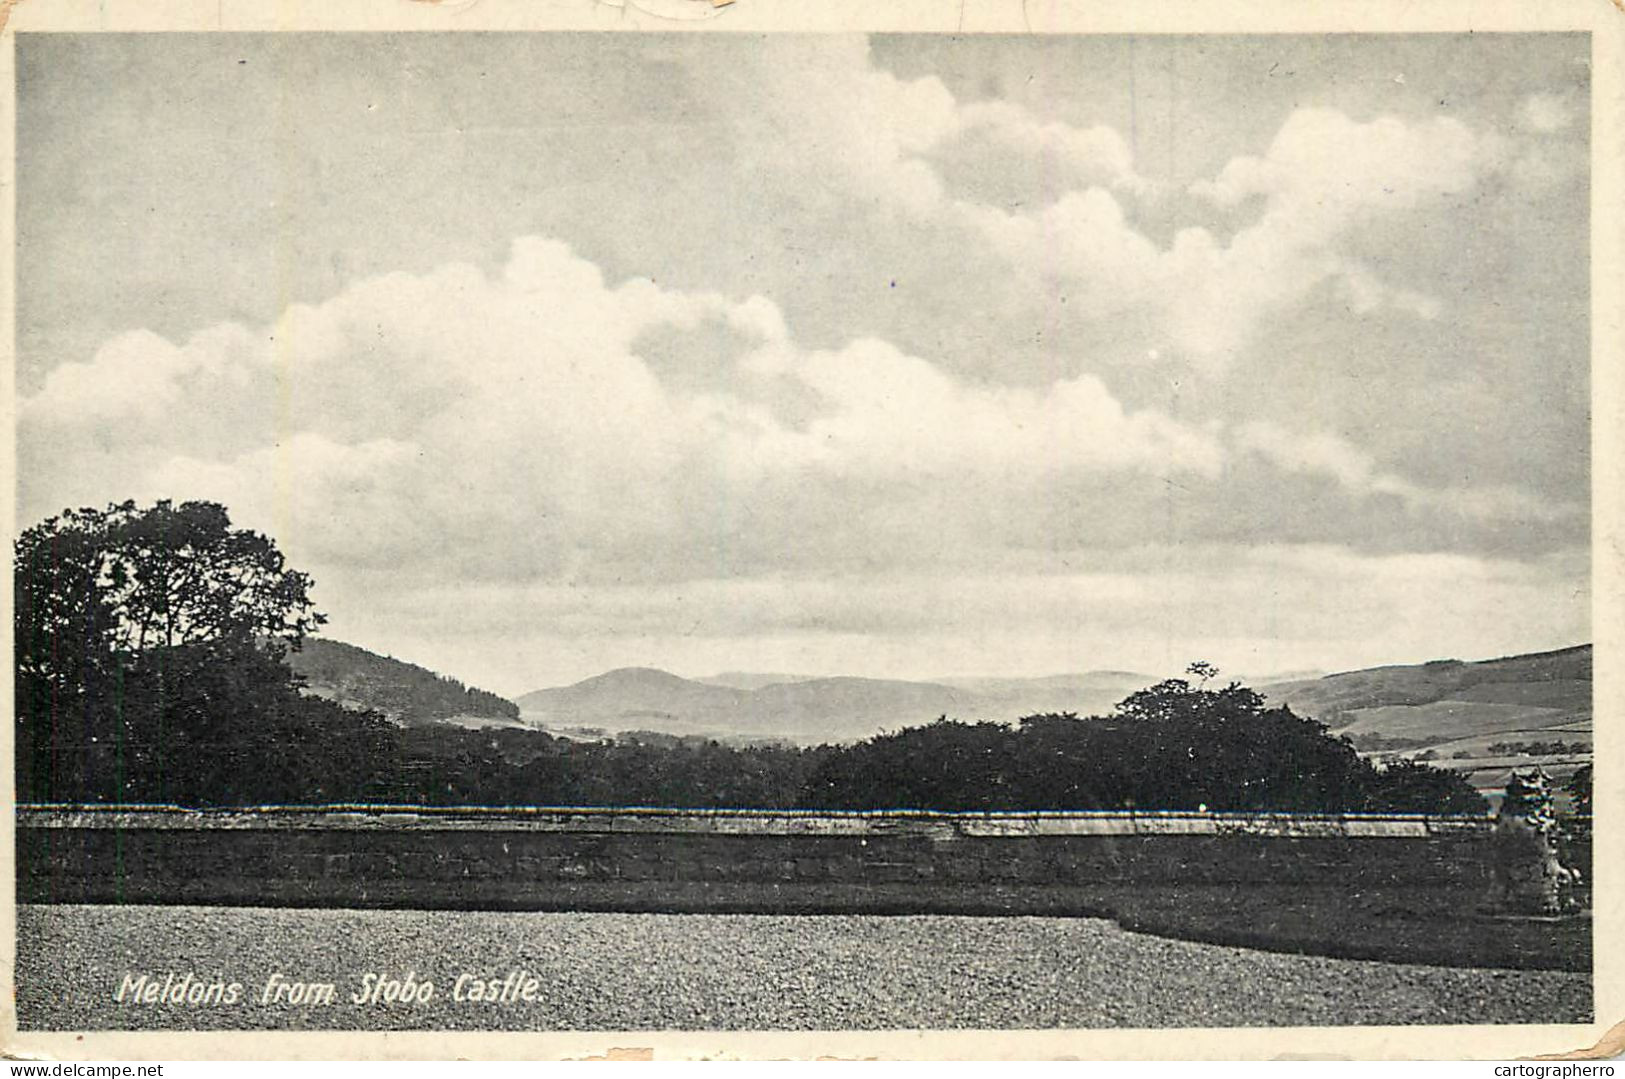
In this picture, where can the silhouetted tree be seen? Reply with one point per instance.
(1225, 749)
(1409, 786)
(148, 665)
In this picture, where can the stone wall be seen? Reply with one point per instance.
(710, 860)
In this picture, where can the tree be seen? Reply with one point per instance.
(1177, 699)
(1203, 670)
(1173, 746)
(148, 641)
(1226, 749)
(214, 724)
(161, 577)
(1409, 786)
(947, 765)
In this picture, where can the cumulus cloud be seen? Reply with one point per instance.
(820, 106)
(1366, 293)
(892, 414)
(1322, 454)
(1050, 199)
(513, 425)
(1323, 168)
(500, 444)
(959, 423)
(1322, 176)
(507, 425)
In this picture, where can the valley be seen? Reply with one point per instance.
(1479, 718)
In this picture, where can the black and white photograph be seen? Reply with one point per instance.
(642, 531)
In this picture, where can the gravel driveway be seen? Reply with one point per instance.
(656, 971)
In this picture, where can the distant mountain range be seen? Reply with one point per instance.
(805, 708)
(1437, 703)
(1457, 710)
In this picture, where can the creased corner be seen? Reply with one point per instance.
(7, 5)
(1610, 1045)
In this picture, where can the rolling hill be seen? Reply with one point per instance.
(1449, 699)
(634, 698)
(804, 708)
(1481, 719)
(1445, 702)
(404, 692)
(857, 707)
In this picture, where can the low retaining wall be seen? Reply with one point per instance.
(621, 859)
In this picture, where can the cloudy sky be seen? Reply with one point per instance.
(894, 356)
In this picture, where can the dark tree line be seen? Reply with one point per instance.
(1556, 747)
(151, 648)
(515, 767)
(1171, 747)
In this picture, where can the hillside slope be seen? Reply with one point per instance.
(1449, 699)
(1481, 719)
(635, 698)
(404, 692)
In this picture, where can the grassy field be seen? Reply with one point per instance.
(1443, 721)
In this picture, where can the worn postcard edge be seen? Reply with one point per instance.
(1603, 19)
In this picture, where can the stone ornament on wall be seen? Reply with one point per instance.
(1529, 877)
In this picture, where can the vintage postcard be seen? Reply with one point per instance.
(771, 530)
